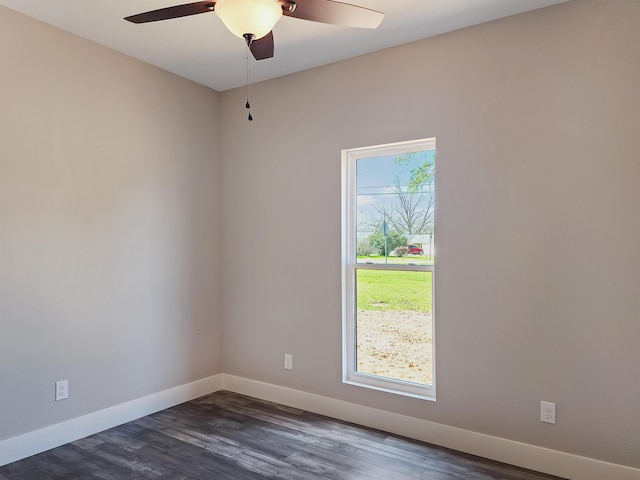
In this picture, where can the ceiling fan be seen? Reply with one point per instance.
(254, 20)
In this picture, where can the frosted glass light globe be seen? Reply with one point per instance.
(255, 17)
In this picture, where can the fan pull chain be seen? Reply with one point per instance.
(248, 105)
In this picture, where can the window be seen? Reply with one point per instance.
(388, 200)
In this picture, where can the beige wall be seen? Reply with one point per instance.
(536, 118)
(109, 227)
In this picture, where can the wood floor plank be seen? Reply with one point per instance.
(184, 464)
(227, 436)
(119, 438)
(231, 467)
(21, 470)
(326, 468)
(95, 465)
(140, 465)
(57, 468)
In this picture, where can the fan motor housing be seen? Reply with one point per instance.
(288, 5)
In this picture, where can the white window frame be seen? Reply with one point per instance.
(350, 375)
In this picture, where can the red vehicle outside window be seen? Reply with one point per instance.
(415, 250)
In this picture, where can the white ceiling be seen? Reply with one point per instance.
(200, 48)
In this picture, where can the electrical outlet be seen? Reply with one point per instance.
(288, 361)
(62, 389)
(548, 412)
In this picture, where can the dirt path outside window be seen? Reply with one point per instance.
(395, 344)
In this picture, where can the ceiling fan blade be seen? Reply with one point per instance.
(173, 12)
(263, 47)
(336, 13)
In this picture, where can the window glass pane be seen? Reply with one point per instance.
(394, 325)
(395, 208)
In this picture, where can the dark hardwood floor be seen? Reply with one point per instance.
(230, 436)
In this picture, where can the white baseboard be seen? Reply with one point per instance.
(520, 454)
(515, 453)
(16, 448)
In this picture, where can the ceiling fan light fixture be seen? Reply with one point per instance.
(253, 17)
